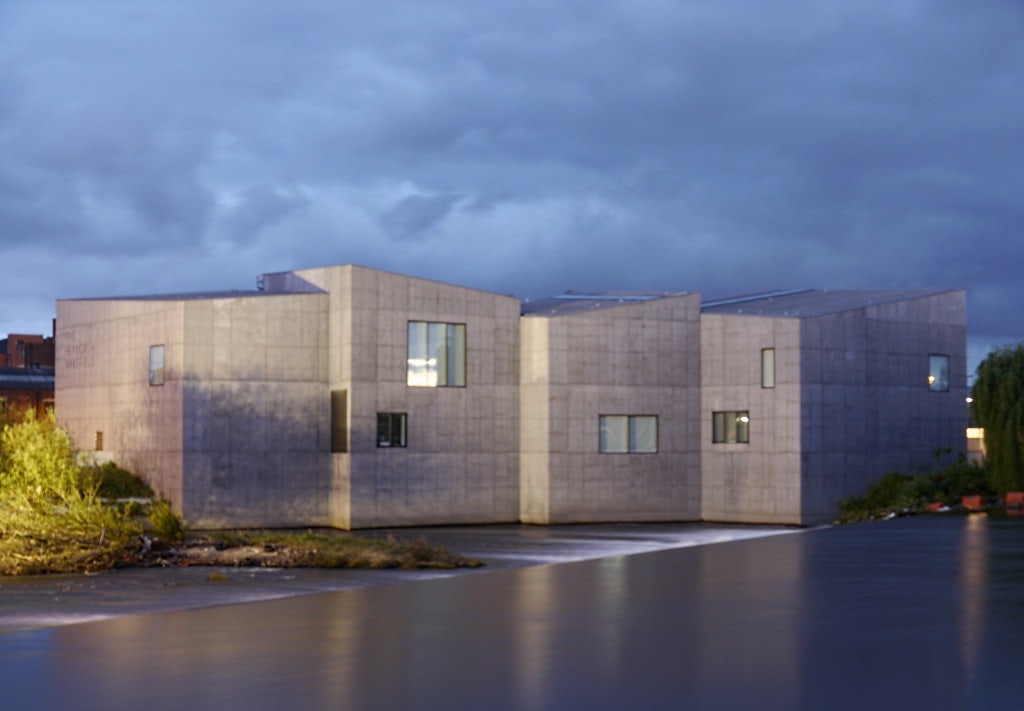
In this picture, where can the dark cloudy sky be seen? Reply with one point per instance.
(523, 147)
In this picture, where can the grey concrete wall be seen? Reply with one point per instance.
(256, 411)
(757, 482)
(238, 433)
(461, 464)
(851, 403)
(867, 409)
(631, 359)
(102, 385)
(535, 421)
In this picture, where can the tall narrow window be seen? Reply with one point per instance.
(938, 373)
(391, 429)
(732, 426)
(156, 365)
(436, 355)
(339, 421)
(628, 434)
(767, 367)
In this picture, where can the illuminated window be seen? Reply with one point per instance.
(436, 354)
(938, 373)
(156, 365)
(767, 367)
(629, 434)
(730, 426)
(391, 429)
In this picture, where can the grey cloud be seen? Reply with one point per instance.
(527, 147)
(416, 216)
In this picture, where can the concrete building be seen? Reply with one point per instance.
(355, 398)
(610, 408)
(809, 396)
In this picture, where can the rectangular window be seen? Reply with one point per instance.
(628, 434)
(339, 421)
(730, 426)
(391, 429)
(938, 373)
(156, 365)
(436, 355)
(767, 367)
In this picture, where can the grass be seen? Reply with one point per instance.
(324, 548)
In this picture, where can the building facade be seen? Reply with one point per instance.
(354, 398)
(818, 393)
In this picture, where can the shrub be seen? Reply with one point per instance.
(165, 523)
(896, 493)
(113, 482)
(51, 518)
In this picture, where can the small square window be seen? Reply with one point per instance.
(938, 373)
(391, 428)
(732, 426)
(156, 365)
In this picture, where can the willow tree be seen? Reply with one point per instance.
(998, 406)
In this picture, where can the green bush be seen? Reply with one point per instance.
(51, 517)
(896, 493)
(113, 482)
(165, 523)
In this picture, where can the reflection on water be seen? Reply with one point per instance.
(533, 599)
(889, 615)
(974, 555)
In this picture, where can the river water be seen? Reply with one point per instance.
(923, 612)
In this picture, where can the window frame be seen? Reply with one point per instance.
(629, 434)
(157, 373)
(439, 342)
(768, 368)
(935, 384)
(393, 418)
(722, 433)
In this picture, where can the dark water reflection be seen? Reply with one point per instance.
(915, 613)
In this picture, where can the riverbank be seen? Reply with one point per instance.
(33, 602)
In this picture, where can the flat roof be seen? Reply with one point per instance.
(192, 296)
(803, 303)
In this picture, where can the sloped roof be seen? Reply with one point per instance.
(573, 302)
(803, 303)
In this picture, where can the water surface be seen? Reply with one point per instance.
(913, 613)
